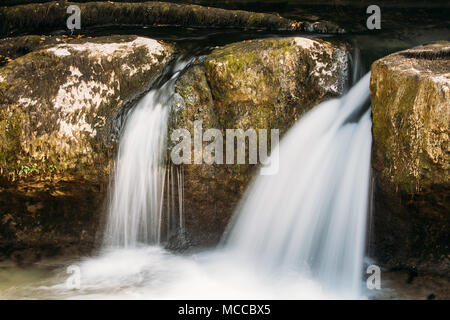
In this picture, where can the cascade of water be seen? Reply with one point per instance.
(311, 215)
(137, 196)
(297, 234)
(314, 231)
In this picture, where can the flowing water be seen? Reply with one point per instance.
(142, 175)
(297, 234)
(311, 216)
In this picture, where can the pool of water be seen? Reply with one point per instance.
(153, 273)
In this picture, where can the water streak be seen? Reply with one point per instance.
(311, 216)
(137, 210)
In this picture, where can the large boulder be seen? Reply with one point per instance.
(410, 93)
(259, 84)
(58, 109)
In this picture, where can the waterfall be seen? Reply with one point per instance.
(142, 199)
(298, 234)
(311, 216)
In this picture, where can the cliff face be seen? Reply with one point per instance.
(410, 93)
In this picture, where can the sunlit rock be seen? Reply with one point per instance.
(259, 84)
(410, 93)
(57, 113)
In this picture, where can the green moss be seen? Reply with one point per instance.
(24, 18)
(245, 82)
(37, 77)
(11, 120)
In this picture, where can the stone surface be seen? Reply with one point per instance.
(14, 47)
(58, 106)
(260, 84)
(410, 93)
(52, 16)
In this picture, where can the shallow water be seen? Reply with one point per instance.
(150, 272)
(137, 274)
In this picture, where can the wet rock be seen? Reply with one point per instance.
(57, 112)
(259, 84)
(410, 93)
(425, 286)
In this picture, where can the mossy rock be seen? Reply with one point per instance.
(410, 94)
(58, 107)
(52, 16)
(269, 83)
(67, 96)
(14, 47)
(259, 84)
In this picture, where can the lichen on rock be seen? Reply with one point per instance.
(410, 93)
(57, 109)
(67, 96)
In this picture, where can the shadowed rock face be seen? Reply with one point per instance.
(57, 110)
(259, 84)
(410, 93)
(264, 3)
(52, 16)
(12, 48)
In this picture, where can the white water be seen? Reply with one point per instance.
(297, 235)
(142, 175)
(311, 216)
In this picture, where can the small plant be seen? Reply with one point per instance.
(52, 168)
(27, 169)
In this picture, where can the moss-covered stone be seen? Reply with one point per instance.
(410, 93)
(270, 82)
(10, 136)
(68, 95)
(57, 111)
(52, 15)
(259, 84)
